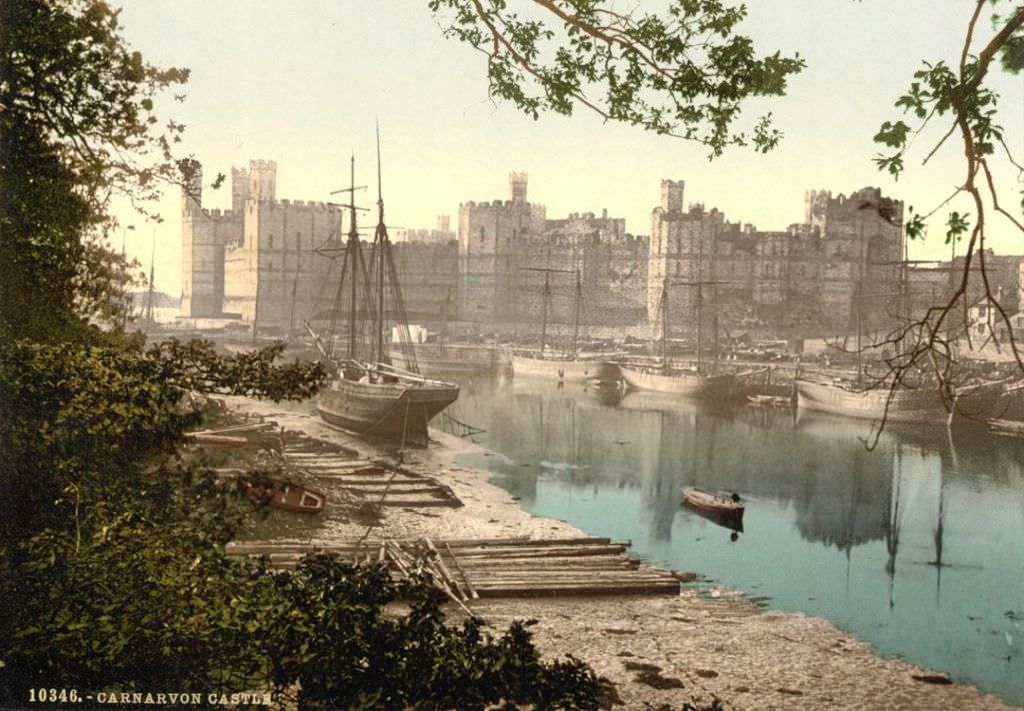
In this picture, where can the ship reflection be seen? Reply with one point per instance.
(593, 439)
(924, 525)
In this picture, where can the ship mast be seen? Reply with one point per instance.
(547, 302)
(149, 294)
(353, 247)
(576, 317)
(381, 238)
(700, 283)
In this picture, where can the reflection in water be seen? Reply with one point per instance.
(913, 546)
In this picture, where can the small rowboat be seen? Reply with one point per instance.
(769, 400)
(284, 496)
(712, 503)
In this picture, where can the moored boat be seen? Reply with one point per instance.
(769, 400)
(454, 358)
(565, 368)
(679, 382)
(368, 395)
(388, 403)
(900, 405)
(712, 503)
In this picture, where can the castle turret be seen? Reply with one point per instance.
(517, 184)
(262, 180)
(672, 195)
(239, 188)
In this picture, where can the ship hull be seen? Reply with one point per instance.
(392, 410)
(569, 370)
(923, 405)
(684, 384)
(454, 359)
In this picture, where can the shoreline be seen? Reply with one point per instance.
(656, 650)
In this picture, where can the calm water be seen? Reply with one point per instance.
(916, 546)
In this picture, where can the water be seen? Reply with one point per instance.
(916, 546)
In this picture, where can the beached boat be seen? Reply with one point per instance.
(368, 395)
(283, 495)
(713, 503)
(385, 402)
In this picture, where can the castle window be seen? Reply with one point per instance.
(482, 234)
(271, 241)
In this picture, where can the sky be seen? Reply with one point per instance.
(303, 82)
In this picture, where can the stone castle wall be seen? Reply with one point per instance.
(807, 280)
(204, 234)
(812, 279)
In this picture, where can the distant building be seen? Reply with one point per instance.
(259, 262)
(269, 262)
(256, 261)
(814, 278)
(503, 244)
(442, 234)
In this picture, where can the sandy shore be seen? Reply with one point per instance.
(660, 652)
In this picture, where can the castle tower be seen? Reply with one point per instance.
(262, 180)
(239, 188)
(672, 195)
(816, 207)
(517, 184)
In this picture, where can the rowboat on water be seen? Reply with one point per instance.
(769, 400)
(706, 501)
(283, 495)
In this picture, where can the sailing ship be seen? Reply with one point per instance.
(854, 399)
(454, 359)
(566, 367)
(884, 400)
(367, 394)
(689, 382)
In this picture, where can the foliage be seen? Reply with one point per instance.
(78, 420)
(686, 72)
(961, 96)
(113, 574)
(70, 79)
(77, 126)
(103, 284)
(196, 366)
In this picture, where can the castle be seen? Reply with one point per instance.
(258, 262)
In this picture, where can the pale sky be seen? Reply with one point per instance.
(302, 82)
